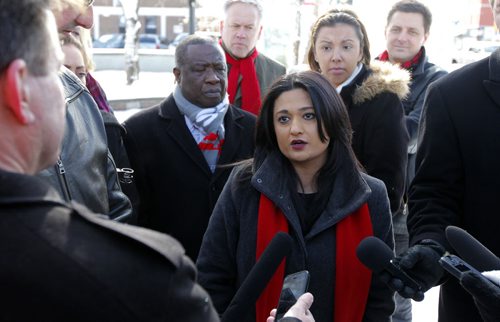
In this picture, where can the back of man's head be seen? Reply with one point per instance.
(412, 6)
(23, 34)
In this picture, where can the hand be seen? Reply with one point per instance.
(485, 293)
(300, 310)
(420, 262)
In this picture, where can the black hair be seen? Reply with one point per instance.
(181, 50)
(332, 122)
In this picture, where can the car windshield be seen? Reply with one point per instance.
(106, 38)
(148, 39)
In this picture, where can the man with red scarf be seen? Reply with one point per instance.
(250, 73)
(407, 29)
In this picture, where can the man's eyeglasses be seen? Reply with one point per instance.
(89, 2)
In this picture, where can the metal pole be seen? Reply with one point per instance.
(192, 17)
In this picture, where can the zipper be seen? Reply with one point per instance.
(74, 96)
(62, 180)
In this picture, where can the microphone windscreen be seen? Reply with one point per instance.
(258, 277)
(471, 250)
(374, 253)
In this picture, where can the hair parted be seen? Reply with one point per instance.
(330, 19)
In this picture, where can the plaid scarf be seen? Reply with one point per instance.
(409, 65)
(250, 90)
(209, 120)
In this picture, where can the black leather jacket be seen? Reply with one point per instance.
(85, 171)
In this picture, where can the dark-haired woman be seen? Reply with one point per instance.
(304, 180)
(372, 93)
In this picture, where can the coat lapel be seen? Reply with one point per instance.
(179, 132)
(492, 84)
(234, 131)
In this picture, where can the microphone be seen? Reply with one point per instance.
(258, 278)
(471, 250)
(377, 256)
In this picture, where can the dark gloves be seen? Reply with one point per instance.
(485, 293)
(420, 262)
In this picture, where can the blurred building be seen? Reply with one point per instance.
(166, 18)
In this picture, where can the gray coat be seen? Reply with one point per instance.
(228, 249)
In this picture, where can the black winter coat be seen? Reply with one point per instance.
(457, 171)
(64, 263)
(177, 190)
(380, 139)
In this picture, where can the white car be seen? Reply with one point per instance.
(474, 52)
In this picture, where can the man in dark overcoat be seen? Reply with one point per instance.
(457, 177)
(181, 149)
(61, 262)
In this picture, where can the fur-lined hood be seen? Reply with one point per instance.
(384, 77)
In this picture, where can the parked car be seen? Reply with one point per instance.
(474, 52)
(110, 41)
(149, 41)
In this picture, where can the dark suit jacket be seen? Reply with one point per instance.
(457, 179)
(63, 263)
(177, 190)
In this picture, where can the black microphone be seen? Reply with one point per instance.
(377, 256)
(256, 281)
(471, 250)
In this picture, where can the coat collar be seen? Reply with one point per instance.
(21, 188)
(269, 179)
(177, 129)
(492, 84)
(379, 77)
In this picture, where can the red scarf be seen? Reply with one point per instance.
(408, 65)
(250, 90)
(352, 279)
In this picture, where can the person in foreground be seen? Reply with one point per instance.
(304, 180)
(61, 262)
(456, 178)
